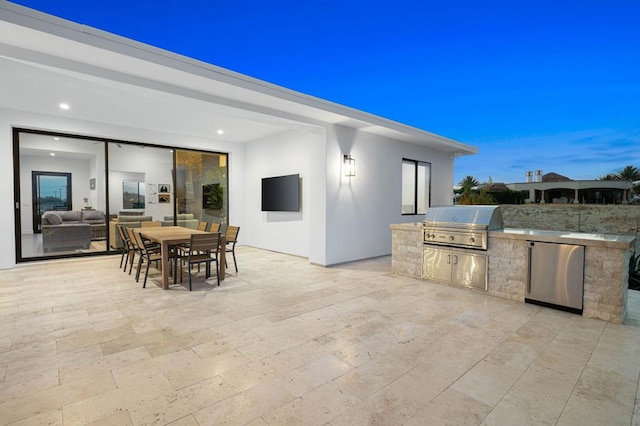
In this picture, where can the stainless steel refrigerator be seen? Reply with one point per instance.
(556, 275)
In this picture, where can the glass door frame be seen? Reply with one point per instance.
(16, 131)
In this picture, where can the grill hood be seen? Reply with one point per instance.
(466, 217)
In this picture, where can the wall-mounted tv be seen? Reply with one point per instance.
(212, 196)
(281, 194)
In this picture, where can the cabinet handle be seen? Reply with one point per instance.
(529, 270)
(455, 259)
(449, 259)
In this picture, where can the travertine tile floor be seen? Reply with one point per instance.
(285, 342)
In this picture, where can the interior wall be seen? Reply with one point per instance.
(116, 178)
(282, 154)
(145, 164)
(80, 172)
(361, 208)
(12, 118)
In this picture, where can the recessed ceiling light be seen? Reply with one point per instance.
(64, 106)
(53, 154)
(220, 131)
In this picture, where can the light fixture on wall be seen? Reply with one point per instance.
(349, 165)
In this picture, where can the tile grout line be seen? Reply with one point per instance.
(581, 372)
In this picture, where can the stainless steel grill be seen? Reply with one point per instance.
(461, 226)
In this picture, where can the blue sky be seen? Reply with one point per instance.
(549, 85)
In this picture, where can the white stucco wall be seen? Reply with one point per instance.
(282, 154)
(361, 208)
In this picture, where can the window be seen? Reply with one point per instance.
(50, 191)
(416, 186)
(132, 194)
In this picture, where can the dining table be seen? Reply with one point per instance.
(168, 236)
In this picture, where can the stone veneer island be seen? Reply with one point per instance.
(606, 264)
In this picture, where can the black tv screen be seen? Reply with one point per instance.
(212, 196)
(281, 194)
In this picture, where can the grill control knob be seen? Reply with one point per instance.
(472, 240)
(451, 238)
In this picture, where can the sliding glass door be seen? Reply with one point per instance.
(202, 186)
(72, 192)
(61, 209)
(140, 183)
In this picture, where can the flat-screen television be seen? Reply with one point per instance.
(212, 196)
(281, 194)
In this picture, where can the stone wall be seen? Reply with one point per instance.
(605, 283)
(507, 268)
(406, 249)
(609, 219)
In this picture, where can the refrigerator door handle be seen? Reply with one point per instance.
(529, 262)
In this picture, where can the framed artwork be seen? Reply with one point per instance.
(164, 198)
(164, 188)
(189, 188)
(92, 183)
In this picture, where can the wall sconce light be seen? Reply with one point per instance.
(349, 165)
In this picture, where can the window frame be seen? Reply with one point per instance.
(416, 164)
(140, 195)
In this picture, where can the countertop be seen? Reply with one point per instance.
(566, 237)
(562, 237)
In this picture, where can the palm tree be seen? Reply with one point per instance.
(470, 193)
(629, 173)
(468, 183)
(609, 176)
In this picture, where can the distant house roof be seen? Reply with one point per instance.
(496, 187)
(554, 177)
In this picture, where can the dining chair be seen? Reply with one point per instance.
(230, 247)
(202, 226)
(135, 249)
(214, 227)
(127, 248)
(149, 252)
(204, 248)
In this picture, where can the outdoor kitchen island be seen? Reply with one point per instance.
(606, 264)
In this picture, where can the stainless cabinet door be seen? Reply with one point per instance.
(556, 274)
(470, 270)
(436, 264)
